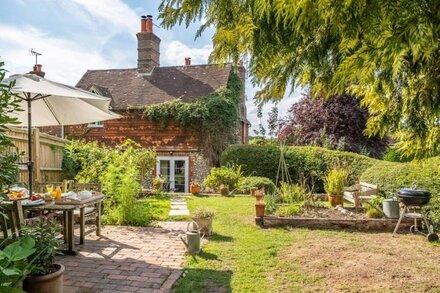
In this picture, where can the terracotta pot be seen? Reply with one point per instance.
(224, 191)
(259, 209)
(335, 200)
(52, 283)
(205, 225)
(195, 188)
(253, 189)
(259, 197)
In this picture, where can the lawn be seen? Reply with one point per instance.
(241, 257)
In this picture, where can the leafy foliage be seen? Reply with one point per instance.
(14, 263)
(386, 52)
(335, 181)
(310, 164)
(228, 176)
(246, 183)
(215, 117)
(336, 123)
(121, 170)
(44, 231)
(9, 103)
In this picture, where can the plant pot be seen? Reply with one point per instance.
(52, 283)
(259, 209)
(195, 189)
(335, 200)
(224, 191)
(253, 189)
(205, 225)
(259, 197)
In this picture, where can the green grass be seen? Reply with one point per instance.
(240, 256)
(158, 206)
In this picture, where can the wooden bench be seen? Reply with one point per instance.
(360, 193)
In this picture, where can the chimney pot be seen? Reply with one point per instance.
(143, 23)
(37, 70)
(187, 61)
(149, 24)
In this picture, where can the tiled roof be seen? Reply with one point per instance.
(128, 88)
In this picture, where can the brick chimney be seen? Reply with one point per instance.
(37, 70)
(148, 46)
(187, 61)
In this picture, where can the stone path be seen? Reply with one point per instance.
(178, 207)
(126, 259)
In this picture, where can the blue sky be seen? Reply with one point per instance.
(76, 35)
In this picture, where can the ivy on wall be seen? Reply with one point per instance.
(216, 117)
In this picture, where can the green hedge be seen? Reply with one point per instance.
(312, 163)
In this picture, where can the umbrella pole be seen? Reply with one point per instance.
(30, 163)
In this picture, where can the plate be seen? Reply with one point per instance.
(29, 203)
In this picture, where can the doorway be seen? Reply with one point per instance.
(174, 170)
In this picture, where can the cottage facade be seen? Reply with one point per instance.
(179, 155)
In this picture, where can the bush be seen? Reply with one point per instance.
(390, 177)
(228, 176)
(335, 181)
(310, 163)
(247, 183)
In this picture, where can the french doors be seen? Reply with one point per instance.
(174, 170)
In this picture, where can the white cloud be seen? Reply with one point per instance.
(63, 60)
(175, 53)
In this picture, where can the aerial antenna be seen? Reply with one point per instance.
(36, 54)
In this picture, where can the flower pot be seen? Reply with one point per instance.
(205, 225)
(195, 189)
(259, 209)
(52, 282)
(335, 200)
(224, 191)
(253, 189)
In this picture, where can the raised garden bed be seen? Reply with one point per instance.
(334, 219)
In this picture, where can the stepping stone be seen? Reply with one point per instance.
(179, 213)
(179, 207)
(178, 203)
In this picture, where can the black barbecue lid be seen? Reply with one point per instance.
(414, 192)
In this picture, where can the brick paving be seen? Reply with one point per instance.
(126, 259)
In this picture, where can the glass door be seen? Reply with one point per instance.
(174, 170)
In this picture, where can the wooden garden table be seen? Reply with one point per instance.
(68, 208)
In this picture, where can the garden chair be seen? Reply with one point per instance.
(360, 193)
(11, 219)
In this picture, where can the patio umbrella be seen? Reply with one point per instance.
(51, 103)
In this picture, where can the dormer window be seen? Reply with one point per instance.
(96, 124)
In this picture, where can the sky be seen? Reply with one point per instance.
(76, 35)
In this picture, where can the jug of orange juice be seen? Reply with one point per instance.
(58, 193)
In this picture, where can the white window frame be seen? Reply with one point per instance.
(172, 159)
(96, 124)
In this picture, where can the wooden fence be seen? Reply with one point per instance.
(47, 154)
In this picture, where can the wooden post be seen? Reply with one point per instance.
(36, 156)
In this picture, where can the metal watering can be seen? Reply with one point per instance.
(193, 238)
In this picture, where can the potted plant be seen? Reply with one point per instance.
(195, 188)
(46, 276)
(334, 184)
(203, 217)
(16, 263)
(158, 182)
(224, 190)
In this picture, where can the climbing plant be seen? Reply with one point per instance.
(216, 117)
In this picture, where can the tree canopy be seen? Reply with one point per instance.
(387, 52)
(335, 123)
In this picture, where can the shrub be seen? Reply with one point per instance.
(310, 163)
(335, 181)
(247, 183)
(291, 193)
(290, 210)
(390, 177)
(203, 212)
(228, 176)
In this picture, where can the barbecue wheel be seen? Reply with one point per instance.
(432, 237)
(413, 229)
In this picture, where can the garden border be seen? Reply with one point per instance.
(333, 224)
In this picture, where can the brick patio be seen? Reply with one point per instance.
(126, 259)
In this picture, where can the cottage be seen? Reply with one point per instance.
(181, 150)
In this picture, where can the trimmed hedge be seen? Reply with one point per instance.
(312, 163)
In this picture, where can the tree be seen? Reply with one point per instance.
(385, 51)
(336, 123)
(8, 104)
